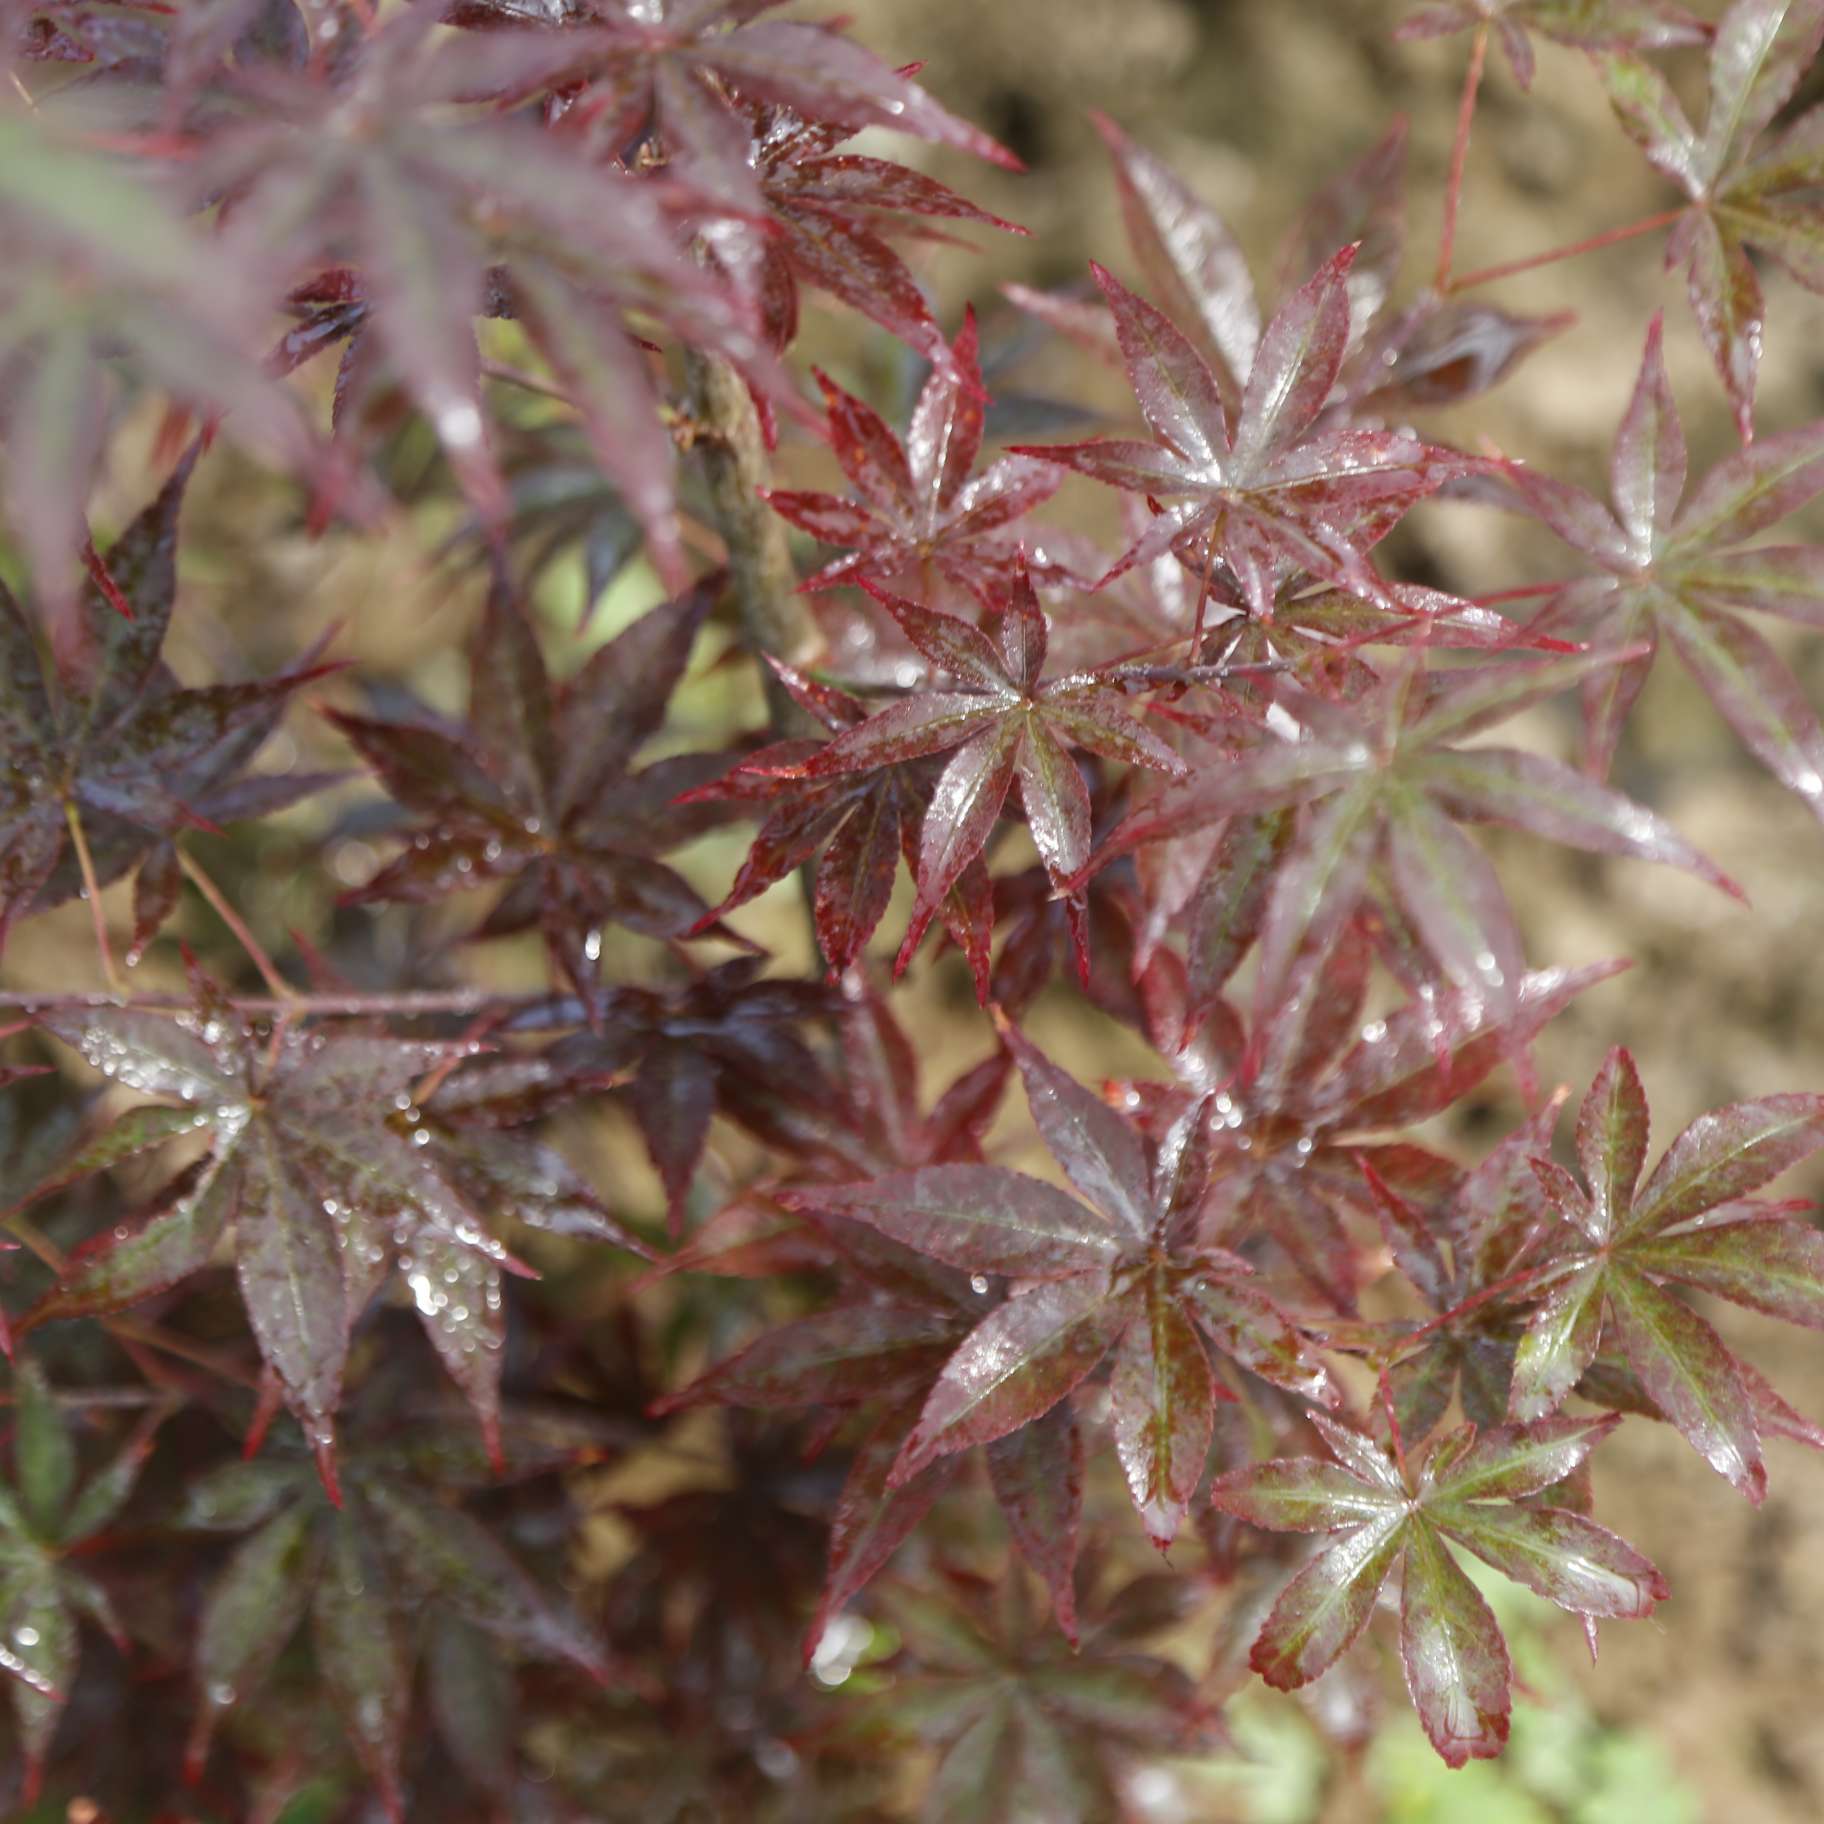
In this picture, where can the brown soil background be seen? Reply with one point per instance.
(1255, 102)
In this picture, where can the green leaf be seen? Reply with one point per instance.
(43, 1451)
(360, 1656)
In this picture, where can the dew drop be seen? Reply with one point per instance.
(26, 1637)
(459, 426)
(978, 1284)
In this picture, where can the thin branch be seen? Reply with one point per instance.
(91, 887)
(733, 455)
(1459, 154)
(218, 900)
(1487, 275)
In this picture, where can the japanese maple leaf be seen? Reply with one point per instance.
(1384, 785)
(1586, 25)
(1122, 1273)
(875, 1352)
(1468, 1490)
(669, 67)
(539, 789)
(1677, 564)
(1745, 191)
(1029, 1727)
(321, 1170)
(1299, 1100)
(922, 517)
(396, 1552)
(405, 224)
(1434, 351)
(678, 1056)
(48, 1511)
(1462, 1255)
(106, 280)
(1005, 722)
(897, 1319)
(827, 217)
(853, 826)
(1313, 633)
(101, 736)
(1272, 486)
(1691, 1223)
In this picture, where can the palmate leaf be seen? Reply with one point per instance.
(925, 521)
(1378, 786)
(1459, 1256)
(1002, 722)
(47, 1508)
(730, 1042)
(396, 237)
(1465, 1489)
(324, 1175)
(1434, 351)
(1300, 1102)
(1029, 1728)
(1746, 190)
(828, 213)
(1676, 563)
(103, 735)
(539, 788)
(898, 1319)
(853, 827)
(1588, 25)
(106, 281)
(1622, 1242)
(369, 1573)
(668, 68)
(1123, 1271)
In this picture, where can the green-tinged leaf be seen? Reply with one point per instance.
(38, 1636)
(1327, 1604)
(447, 1556)
(1455, 1659)
(1512, 1461)
(1257, 1335)
(1562, 1556)
(1775, 1267)
(1300, 1495)
(1728, 1153)
(471, 1695)
(44, 1453)
(1559, 1343)
(1162, 1405)
(359, 1654)
(1690, 1376)
(1612, 1134)
(253, 1609)
(129, 1264)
